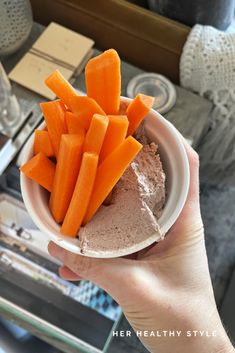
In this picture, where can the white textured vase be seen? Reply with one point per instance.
(16, 21)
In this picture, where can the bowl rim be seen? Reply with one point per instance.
(75, 248)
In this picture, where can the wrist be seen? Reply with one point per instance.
(200, 327)
(211, 337)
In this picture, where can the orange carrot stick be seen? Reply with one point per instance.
(42, 143)
(116, 133)
(67, 169)
(103, 80)
(60, 86)
(96, 134)
(110, 171)
(73, 124)
(81, 195)
(137, 110)
(54, 116)
(40, 169)
(85, 107)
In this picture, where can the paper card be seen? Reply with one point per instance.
(31, 72)
(57, 48)
(63, 44)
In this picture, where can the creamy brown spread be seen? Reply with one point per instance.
(136, 204)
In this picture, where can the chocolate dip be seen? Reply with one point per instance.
(137, 202)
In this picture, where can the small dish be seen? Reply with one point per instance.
(175, 164)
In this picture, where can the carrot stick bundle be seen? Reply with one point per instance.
(54, 115)
(40, 169)
(90, 140)
(67, 169)
(103, 80)
(81, 195)
(137, 110)
(116, 133)
(110, 171)
(84, 108)
(96, 134)
(42, 143)
(61, 87)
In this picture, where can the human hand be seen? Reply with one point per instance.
(164, 287)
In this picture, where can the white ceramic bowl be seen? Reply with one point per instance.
(176, 167)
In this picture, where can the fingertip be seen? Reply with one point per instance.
(55, 250)
(50, 247)
(191, 153)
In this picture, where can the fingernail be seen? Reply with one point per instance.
(67, 274)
